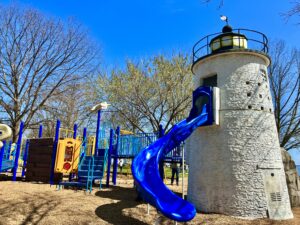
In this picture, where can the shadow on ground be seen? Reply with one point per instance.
(8, 177)
(113, 212)
(34, 211)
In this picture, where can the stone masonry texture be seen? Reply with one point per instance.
(236, 168)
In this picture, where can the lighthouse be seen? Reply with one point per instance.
(235, 164)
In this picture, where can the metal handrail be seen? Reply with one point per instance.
(202, 48)
(90, 174)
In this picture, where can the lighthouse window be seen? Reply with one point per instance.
(210, 81)
(263, 73)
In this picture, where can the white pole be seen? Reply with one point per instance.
(148, 209)
(183, 170)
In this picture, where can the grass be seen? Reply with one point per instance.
(168, 171)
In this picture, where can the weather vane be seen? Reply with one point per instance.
(224, 18)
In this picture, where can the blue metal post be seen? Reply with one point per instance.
(98, 131)
(9, 149)
(19, 143)
(54, 152)
(41, 131)
(161, 132)
(2, 150)
(84, 138)
(115, 168)
(71, 176)
(84, 144)
(75, 131)
(111, 142)
(25, 157)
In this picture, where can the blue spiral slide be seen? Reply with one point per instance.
(146, 172)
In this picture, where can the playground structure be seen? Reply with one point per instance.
(10, 152)
(5, 153)
(39, 161)
(81, 158)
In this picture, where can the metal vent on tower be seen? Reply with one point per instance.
(275, 197)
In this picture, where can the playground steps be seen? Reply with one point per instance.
(91, 168)
(84, 180)
(97, 167)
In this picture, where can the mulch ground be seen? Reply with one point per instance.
(30, 203)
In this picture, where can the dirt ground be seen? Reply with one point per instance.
(30, 203)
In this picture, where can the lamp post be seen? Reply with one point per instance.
(99, 107)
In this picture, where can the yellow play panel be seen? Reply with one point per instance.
(67, 155)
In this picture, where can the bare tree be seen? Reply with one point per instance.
(39, 57)
(70, 108)
(284, 77)
(294, 11)
(152, 92)
(221, 2)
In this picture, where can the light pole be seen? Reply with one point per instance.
(99, 107)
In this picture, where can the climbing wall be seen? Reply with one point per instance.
(39, 161)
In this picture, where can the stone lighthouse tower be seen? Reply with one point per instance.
(235, 165)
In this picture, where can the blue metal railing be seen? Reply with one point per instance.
(89, 183)
(103, 138)
(131, 145)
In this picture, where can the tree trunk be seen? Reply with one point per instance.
(15, 131)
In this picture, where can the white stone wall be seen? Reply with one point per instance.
(236, 166)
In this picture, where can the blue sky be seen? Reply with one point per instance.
(136, 28)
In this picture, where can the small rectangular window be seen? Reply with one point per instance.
(210, 81)
(263, 73)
